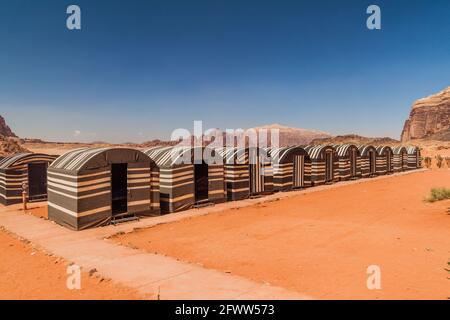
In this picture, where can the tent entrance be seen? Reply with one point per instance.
(328, 166)
(388, 162)
(372, 164)
(404, 161)
(37, 181)
(201, 182)
(119, 188)
(353, 163)
(256, 176)
(299, 172)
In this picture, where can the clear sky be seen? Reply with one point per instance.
(139, 69)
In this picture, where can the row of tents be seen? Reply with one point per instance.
(93, 187)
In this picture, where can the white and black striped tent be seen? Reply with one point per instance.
(27, 170)
(291, 167)
(349, 166)
(186, 181)
(324, 164)
(248, 172)
(89, 187)
(400, 158)
(368, 160)
(414, 157)
(385, 160)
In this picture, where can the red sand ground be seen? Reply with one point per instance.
(321, 243)
(28, 273)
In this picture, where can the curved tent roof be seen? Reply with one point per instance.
(363, 150)
(316, 152)
(343, 149)
(281, 154)
(166, 157)
(399, 149)
(21, 158)
(383, 149)
(90, 158)
(412, 149)
(169, 156)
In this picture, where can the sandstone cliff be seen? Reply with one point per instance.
(428, 117)
(5, 130)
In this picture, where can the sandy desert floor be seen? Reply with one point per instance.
(322, 243)
(29, 273)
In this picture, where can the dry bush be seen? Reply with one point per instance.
(427, 161)
(438, 194)
(439, 161)
(447, 161)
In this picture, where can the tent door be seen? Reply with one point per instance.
(139, 184)
(388, 162)
(372, 163)
(257, 176)
(201, 182)
(37, 181)
(119, 188)
(353, 159)
(404, 161)
(299, 171)
(328, 166)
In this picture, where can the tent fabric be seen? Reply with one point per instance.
(345, 154)
(291, 167)
(14, 174)
(248, 172)
(385, 160)
(321, 171)
(414, 157)
(79, 186)
(177, 178)
(400, 158)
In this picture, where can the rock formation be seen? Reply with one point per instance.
(5, 130)
(428, 117)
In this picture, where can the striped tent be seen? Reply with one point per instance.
(90, 187)
(368, 160)
(248, 172)
(324, 164)
(385, 160)
(291, 168)
(27, 170)
(400, 158)
(349, 166)
(186, 181)
(414, 158)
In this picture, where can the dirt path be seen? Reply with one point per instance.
(321, 243)
(151, 276)
(29, 273)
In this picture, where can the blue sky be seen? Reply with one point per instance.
(139, 69)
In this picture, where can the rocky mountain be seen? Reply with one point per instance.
(294, 136)
(356, 139)
(9, 146)
(428, 117)
(5, 130)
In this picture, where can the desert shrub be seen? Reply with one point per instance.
(438, 194)
(439, 161)
(427, 161)
(447, 161)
